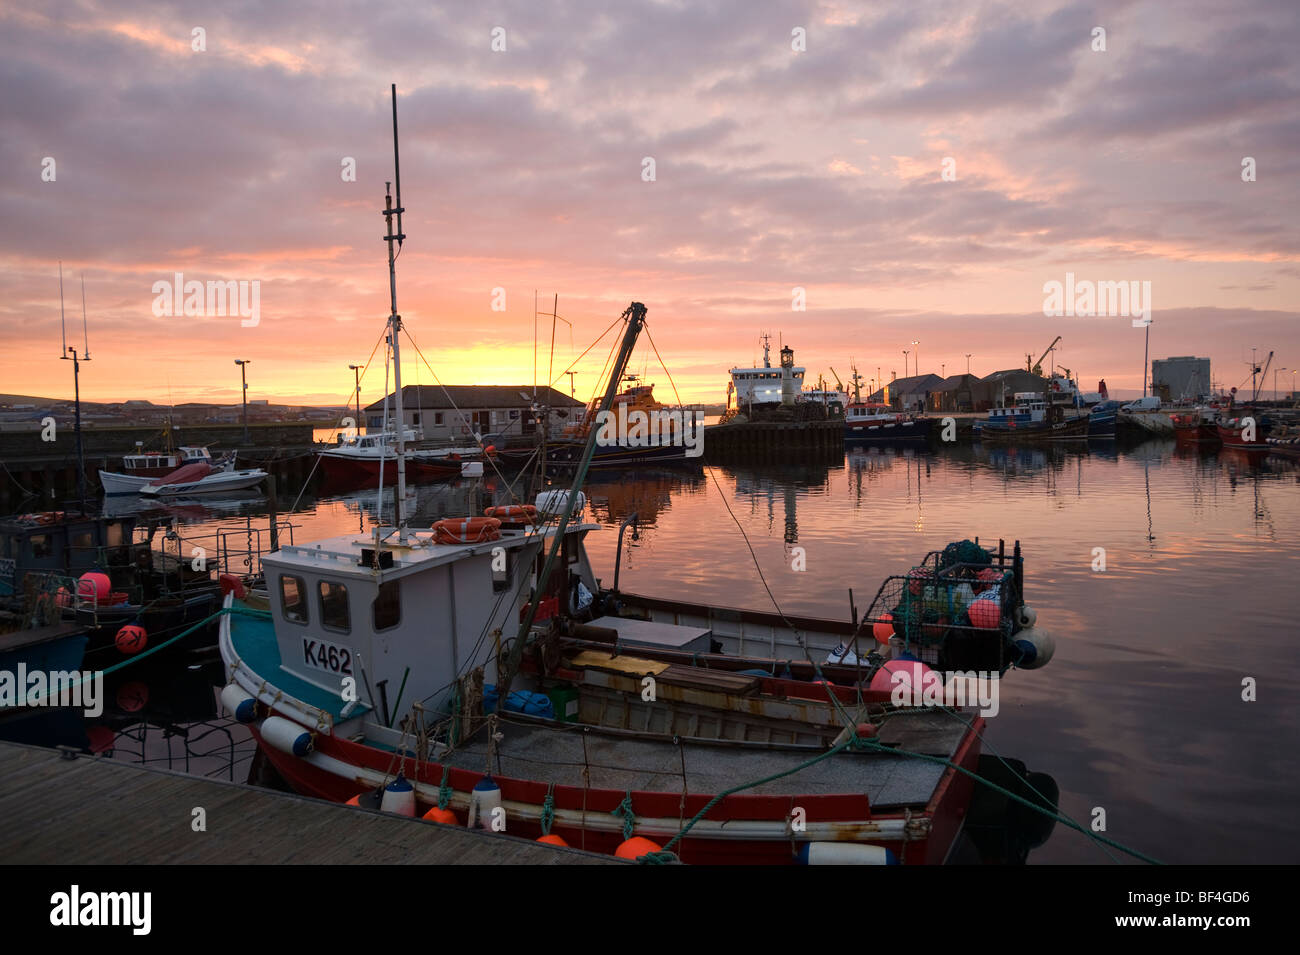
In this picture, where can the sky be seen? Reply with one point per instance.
(910, 172)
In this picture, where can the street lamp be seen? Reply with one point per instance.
(943, 370)
(1275, 371)
(968, 364)
(243, 377)
(905, 353)
(356, 373)
(917, 369)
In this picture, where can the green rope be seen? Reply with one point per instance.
(870, 745)
(444, 788)
(629, 818)
(548, 810)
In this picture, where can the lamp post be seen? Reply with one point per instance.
(243, 378)
(356, 374)
(905, 354)
(968, 364)
(1275, 371)
(917, 369)
(573, 390)
(943, 369)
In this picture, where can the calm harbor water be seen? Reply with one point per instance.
(1140, 714)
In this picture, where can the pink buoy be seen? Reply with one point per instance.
(985, 613)
(913, 675)
(883, 630)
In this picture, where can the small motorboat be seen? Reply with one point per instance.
(200, 478)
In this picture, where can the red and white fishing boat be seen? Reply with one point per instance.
(462, 673)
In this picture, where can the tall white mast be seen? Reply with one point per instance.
(395, 323)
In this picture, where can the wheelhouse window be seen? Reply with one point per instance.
(334, 606)
(387, 608)
(114, 536)
(293, 598)
(41, 545)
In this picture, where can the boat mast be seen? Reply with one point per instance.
(395, 324)
(76, 381)
(634, 314)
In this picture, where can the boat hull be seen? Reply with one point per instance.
(1075, 429)
(361, 471)
(215, 483)
(900, 432)
(742, 829)
(568, 454)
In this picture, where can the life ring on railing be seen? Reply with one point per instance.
(513, 513)
(466, 530)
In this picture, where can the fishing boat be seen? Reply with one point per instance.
(639, 430)
(1245, 431)
(1031, 417)
(868, 422)
(435, 672)
(200, 478)
(96, 572)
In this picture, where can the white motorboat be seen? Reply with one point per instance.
(200, 478)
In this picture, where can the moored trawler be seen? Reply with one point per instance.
(877, 423)
(639, 429)
(1031, 417)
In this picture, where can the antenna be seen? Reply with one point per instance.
(397, 171)
(63, 322)
(85, 351)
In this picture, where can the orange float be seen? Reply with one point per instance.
(514, 513)
(466, 530)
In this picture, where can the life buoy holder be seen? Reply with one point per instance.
(513, 513)
(466, 530)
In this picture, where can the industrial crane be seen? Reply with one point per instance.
(1036, 368)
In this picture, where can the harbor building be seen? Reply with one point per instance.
(1180, 377)
(452, 413)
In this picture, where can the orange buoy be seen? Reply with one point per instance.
(445, 816)
(552, 840)
(466, 530)
(636, 847)
(132, 638)
(883, 629)
(514, 513)
(355, 800)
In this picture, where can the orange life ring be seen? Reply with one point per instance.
(466, 530)
(515, 513)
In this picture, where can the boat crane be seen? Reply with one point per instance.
(1037, 367)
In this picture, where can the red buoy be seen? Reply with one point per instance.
(132, 638)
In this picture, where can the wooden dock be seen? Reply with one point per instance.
(92, 810)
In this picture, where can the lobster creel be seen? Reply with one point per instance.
(513, 513)
(466, 530)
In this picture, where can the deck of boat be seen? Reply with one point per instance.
(621, 763)
(93, 810)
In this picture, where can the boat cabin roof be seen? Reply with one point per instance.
(342, 555)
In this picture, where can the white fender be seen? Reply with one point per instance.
(1026, 616)
(286, 736)
(238, 703)
(1037, 647)
(399, 797)
(845, 853)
